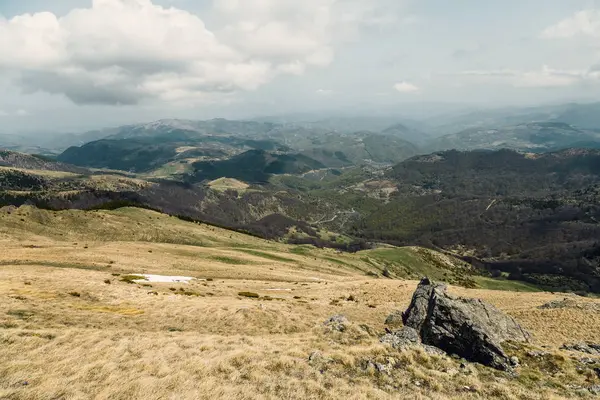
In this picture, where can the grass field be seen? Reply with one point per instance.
(72, 328)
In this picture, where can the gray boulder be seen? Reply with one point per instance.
(337, 323)
(468, 328)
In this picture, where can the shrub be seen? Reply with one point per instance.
(249, 294)
(131, 278)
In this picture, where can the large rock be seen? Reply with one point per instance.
(469, 328)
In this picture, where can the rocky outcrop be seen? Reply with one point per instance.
(588, 348)
(468, 328)
(570, 303)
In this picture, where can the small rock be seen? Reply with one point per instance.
(338, 323)
(595, 390)
(315, 357)
(382, 368)
(368, 330)
(537, 354)
(514, 361)
(394, 319)
(587, 360)
(367, 365)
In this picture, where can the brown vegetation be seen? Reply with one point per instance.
(124, 341)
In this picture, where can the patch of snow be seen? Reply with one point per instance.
(164, 279)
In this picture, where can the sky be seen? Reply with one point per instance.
(71, 65)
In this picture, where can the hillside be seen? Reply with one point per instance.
(240, 309)
(530, 217)
(260, 209)
(533, 217)
(253, 166)
(168, 147)
(531, 137)
(151, 153)
(26, 161)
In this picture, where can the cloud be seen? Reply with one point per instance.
(22, 113)
(128, 51)
(406, 87)
(583, 23)
(3, 113)
(324, 92)
(546, 77)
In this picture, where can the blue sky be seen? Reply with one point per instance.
(82, 65)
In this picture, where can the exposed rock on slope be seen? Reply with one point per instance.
(469, 328)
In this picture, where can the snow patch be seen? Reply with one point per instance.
(164, 279)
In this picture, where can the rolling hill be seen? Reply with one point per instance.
(531, 137)
(534, 217)
(184, 307)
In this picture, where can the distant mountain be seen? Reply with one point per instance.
(149, 152)
(531, 137)
(26, 161)
(336, 149)
(584, 116)
(148, 147)
(192, 129)
(406, 133)
(254, 166)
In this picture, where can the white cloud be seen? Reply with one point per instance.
(324, 92)
(126, 51)
(3, 113)
(406, 87)
(583, 23)
(21, 113)
(546, 77)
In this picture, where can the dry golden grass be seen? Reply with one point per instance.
(71, 329)
(223, 184)
(44, 173)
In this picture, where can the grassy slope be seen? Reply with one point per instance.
(72, 329)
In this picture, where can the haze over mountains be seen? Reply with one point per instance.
(518, 196)
(316, 199)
